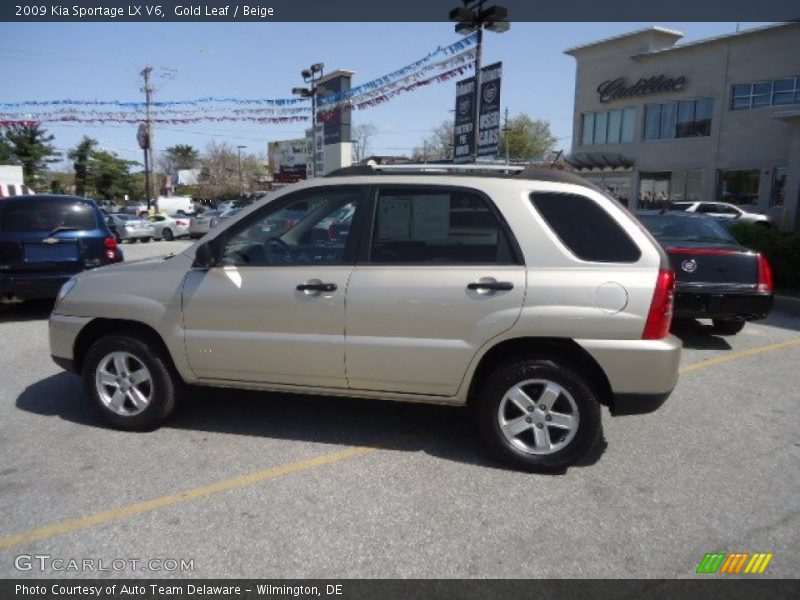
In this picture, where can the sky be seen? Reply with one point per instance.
(102, 61)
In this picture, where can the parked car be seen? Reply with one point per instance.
(136, 210)
(224, 205)
(227, 216)
(723, 210)
(201, 224)
(716, 278)
(552, 302)
(127, 228)
(169, 228)
(44, 240)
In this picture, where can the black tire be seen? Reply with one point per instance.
(166, 388)
(491, 398)
(728, 326)
(145, 240)
(167, 234)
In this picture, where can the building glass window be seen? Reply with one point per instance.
(686, 186)
(687, 118)
(739, 186)
(588, 129)
(652, 119)
(628, 122)
(694, 186)
(654, 189)
(777, 92)
(600, 128)
(778, 187)
(612, 127)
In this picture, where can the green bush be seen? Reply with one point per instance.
(781, 249)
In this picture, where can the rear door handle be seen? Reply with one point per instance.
(491, 285)
(317, 287)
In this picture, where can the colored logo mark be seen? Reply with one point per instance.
(735, 562)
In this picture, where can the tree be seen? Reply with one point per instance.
(6, 152)
(361, 136)
(81, 155)
(31, 148)
(527, 138)
(219, 175)
(437, 145)
(109, 175)
(179, 156)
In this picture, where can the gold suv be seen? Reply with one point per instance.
(528, 294)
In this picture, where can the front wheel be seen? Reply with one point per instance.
(538, 415)
(167, 235)
(130, 382)
(728, 326)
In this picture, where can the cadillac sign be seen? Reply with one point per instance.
(616, 89)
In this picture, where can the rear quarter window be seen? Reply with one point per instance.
(585, 228)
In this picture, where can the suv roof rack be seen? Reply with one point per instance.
(487, 170)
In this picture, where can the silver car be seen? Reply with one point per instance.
(169, 228)
(535, 299)
(127, 228)
(723, 210)
(202, 223)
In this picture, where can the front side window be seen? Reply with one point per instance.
(313, 229)
(437, 226)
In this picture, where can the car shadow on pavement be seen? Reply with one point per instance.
(30, 310)
(698, 336)
(441, 431)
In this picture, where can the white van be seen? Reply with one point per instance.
(176, 205)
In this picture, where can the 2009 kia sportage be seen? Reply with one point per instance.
(531, 296)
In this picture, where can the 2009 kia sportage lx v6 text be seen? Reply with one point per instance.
(530, 296)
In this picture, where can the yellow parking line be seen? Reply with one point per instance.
(55, 529)
(711, 362)
(206, 490)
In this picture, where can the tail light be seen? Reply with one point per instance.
(112, 253)
(703, 251)
(660, 316)
(764, 274)
(182, 223)
(110, 243)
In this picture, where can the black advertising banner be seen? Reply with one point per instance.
(489, 118)
(464, 142)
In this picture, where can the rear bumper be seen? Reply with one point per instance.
(722, 304)
(33, 286)
(641, 373)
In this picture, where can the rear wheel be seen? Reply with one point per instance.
(130, 382)
(145, 240)
(167, 234)
(728, 326)
(538, 415)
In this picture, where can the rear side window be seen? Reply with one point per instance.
(585, 228)
(437, 226)
(46, 216)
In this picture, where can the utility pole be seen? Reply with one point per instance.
(148, 146)
(506, 129)
(241, 181)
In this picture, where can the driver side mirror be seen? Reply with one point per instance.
(205, 255)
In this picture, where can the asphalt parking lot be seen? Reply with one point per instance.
(257, 485)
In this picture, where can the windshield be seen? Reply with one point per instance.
(46, 215)
(671, 227)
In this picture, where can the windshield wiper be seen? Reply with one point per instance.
(62, 228)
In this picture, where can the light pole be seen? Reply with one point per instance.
(473, 17)
(241, 181)
(311, 75)
(147, 146)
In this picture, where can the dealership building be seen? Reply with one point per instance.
(717, 119)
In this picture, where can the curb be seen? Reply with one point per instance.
(788, 304)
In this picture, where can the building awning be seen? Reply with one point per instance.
(599, 161)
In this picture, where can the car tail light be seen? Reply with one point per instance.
(182, 223)
(764, 274)
(110, 243)
(703, 251)
(660, 316)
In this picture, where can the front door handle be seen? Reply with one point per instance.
(494, 286)
(317, 287)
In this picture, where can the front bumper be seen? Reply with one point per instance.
(721, 303)
(63, 331)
